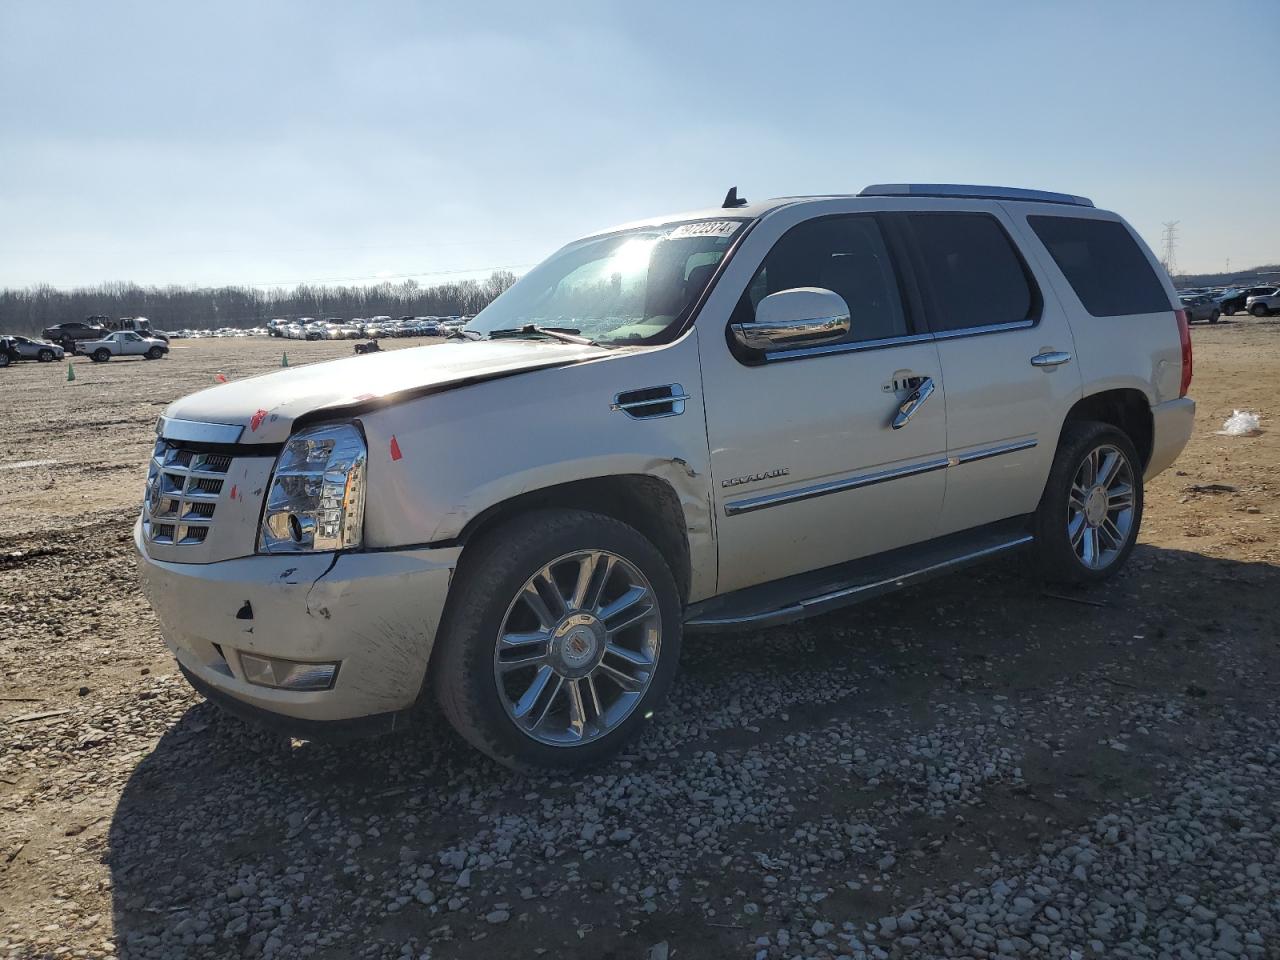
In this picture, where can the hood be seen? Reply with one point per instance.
(267, 406)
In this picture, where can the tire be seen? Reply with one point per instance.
(481, 698)
(45, 356)
(1229, 311)
(155, 353)
(101, 355)
(1061, 556)
(1259, 310)
(4, 359)
(1213, 317)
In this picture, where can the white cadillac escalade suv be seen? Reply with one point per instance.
(730, 418)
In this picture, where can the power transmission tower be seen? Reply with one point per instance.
(1169, 240)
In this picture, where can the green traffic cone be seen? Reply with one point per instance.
(284, 361)
(71, 372)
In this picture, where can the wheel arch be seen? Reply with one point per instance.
(648, 504)
(1125, 408)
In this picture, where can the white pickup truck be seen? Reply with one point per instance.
(724, 419)
(124, 343)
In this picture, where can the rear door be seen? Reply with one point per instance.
(1007, 357)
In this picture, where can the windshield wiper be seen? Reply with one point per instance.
(565, 334)
(462, 334)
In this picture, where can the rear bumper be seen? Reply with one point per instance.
(1171, 425)
(375, 614)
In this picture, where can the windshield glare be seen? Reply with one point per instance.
(626, 288)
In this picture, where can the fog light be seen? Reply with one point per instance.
(287, 674)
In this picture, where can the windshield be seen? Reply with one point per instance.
(628, 287)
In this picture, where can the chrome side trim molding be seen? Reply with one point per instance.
(985, 328)
(854, 347)
(973, 456)
(193, 431)
(765, 500)
(862, 591)
(751, 504)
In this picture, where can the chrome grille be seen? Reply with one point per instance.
(183, 488)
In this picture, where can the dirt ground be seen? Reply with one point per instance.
(806, 781)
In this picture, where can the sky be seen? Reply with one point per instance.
(268, 143)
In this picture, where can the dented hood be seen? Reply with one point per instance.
(267, 406)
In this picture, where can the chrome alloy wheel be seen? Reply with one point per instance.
(578, 648)
(1100, 512)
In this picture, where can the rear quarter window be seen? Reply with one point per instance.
(1104, 265)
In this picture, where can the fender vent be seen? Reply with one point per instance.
(651, 403)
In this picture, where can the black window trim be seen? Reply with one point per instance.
(902, 252)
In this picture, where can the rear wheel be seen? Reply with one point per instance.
(4, 359)
(561, 639)
(1091, 510)
(102, 355)
(1258, 310)
(1213, 317)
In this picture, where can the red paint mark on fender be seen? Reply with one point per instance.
(395, 449)
(256, 420)
(222, 378)
(233, 491)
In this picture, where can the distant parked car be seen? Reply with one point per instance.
(68, 334)
(1264, 304)
(1200, 307)
(1233, 301)
(24, 348)
(138, 325)
(124, 343)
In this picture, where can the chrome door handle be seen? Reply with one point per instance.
(1054, 358)
(914, 402)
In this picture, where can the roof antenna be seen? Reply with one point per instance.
(731, 199)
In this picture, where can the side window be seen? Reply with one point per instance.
(971, 270)
(1102, 262)
(847, 255)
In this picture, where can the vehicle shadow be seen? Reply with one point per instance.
(229, 841)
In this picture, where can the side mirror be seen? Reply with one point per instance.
(790, 319)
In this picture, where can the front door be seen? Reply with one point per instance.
(807, 468)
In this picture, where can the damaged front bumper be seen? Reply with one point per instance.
(373, 614)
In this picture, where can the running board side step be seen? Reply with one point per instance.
(820, 591)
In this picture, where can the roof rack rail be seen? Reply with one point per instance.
(973, 192)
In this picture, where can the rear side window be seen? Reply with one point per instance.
(1104, 265)
(972, 271)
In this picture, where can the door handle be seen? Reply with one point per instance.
(917, 399)
(1054, 358)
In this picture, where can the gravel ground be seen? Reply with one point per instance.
(979, 768)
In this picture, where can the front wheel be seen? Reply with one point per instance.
(560, 640)
(1258, 310)
(1091, 509)
(45, 356)
(1213, 317)
(4, 359)
(155, 353)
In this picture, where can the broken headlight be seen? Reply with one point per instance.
(316, 499)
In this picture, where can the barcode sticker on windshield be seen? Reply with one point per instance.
(705, 228)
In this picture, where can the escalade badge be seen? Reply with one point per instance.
(754, 477)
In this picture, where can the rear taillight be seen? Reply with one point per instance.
(1184, 335)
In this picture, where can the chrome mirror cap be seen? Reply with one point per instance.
(800, 317)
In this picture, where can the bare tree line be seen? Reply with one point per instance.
(29, 310)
